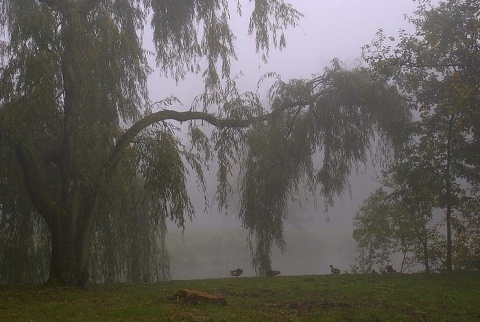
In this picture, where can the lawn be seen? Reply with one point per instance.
(392, 297)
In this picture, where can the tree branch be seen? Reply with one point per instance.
(35, 184)
(160, 116)
(436, 65)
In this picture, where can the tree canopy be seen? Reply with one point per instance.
(103, 168)
(437, 69)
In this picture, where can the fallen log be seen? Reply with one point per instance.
(198, 297)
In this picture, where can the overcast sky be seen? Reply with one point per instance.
(330, 29)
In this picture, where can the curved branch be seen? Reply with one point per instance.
(34, 183)
(160, 116)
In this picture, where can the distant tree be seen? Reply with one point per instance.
(438, 68)
(374, 233)
(76, 121)
(396, 218)
(467, 243)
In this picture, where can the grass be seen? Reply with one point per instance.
(395, 297)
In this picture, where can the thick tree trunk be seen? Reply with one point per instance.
(70, 251)
(72, 230)
(66, 262)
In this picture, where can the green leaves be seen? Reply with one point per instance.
(162, 165)
(269, 18)
(324, 129)
(396, 218)
(437, 70)
(187, 32)
(74, 88)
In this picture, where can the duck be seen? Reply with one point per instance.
(236, 272)
(334, 270)
(271, 272)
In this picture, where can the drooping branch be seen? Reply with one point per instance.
(164, 115)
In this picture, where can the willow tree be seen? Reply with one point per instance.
(74, 104)
(316, 144)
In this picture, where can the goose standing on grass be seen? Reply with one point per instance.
(334, 270)
(236, 272)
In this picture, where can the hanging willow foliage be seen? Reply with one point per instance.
(315, 144)
(77, 126)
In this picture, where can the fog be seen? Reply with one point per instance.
(215, 243)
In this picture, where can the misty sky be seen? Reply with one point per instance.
(329, 29)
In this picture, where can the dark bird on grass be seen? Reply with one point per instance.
(271, 272)
(334, 270)
(236, 272)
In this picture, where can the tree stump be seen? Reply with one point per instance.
(198, 297)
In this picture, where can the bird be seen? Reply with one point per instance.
(334, 270)
(236, 272)
(271, 272)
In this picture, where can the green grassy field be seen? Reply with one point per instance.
(396, 297)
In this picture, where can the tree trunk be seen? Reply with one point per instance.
(65, 265)
(72, 230)
(448, 192)
(70, 251)
(449, 238)
(424, 241)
